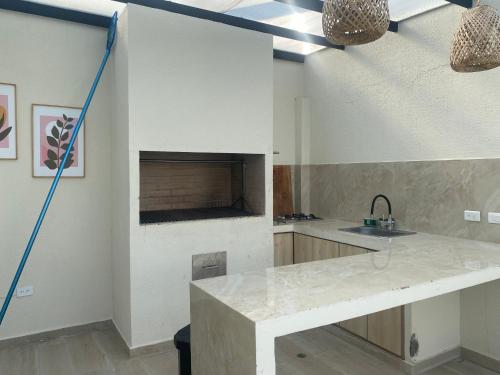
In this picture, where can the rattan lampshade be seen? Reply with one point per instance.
(476, 46)
(350, 22)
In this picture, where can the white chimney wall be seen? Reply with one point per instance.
(193, 86)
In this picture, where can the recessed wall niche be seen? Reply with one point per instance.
(180, 186)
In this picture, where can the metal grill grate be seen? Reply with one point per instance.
(152, 217)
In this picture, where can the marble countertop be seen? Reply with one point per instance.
(404, 270)
(329, 230)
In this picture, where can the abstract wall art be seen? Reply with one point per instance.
(8, 121)
(52, 130)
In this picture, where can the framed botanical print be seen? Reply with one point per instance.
(53, 127)
(8, 121)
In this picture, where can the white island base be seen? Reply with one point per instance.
(235, 319)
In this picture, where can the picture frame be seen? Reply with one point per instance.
(52, 128)
(8, 121)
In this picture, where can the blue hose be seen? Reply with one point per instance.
(55, 182)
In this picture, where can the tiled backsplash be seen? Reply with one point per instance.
(427, 196)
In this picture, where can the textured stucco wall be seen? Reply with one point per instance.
(397, 99)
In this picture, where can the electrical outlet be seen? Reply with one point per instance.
(493, 217)
(472, 216)
(24, 291)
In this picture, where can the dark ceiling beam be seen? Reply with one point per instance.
(317, 6)
(463, 3)
(55, 12)
(226, 19)
(288, 56)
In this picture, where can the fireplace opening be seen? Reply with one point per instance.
(180, 186)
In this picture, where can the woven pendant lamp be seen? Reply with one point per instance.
(350, 22)
(476, 45)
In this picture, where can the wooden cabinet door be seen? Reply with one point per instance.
(302, 248)
(357, 326)
(385, 329)
(309, 249)
(324, 249)
(349, 250)
(283, 249)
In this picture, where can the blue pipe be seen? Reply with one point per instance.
(55, 182)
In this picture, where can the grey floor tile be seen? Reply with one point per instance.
(54, 358)
(355, 364)
(86, 355)
(310, 365)
(19, 360)
(161, 364)
(109, 342)
(132, 366)
(101, 352)
(289, 347)
(318, 340)
(442, 371)
(466, 368)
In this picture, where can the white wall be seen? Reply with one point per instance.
(436, 325)
(288, 85)
(120, 196)
(210, 90)
(397, 99)
(55, 62)
(481, 319)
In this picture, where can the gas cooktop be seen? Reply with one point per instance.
(288, 219)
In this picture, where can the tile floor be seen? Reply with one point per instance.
(99, 352)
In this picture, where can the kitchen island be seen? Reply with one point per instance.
(236, 318)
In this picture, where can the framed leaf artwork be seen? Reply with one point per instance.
(53, 127)
(8, 124)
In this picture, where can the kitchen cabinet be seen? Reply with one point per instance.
(385, 329)
(283, 249)
(357, 326)
(309, 249)
(302, 248)
(349, 250)
(324, 249)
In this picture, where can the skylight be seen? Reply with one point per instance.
(268, 11)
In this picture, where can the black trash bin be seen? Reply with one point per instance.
(182, 341)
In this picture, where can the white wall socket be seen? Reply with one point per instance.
(24, 291)
(493, 217)
(472, 216)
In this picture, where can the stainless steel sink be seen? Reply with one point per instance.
(377, 232)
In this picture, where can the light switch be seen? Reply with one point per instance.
(493, 217)
(24, 291)
(472, 216)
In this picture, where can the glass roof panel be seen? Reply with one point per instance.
(268, 11)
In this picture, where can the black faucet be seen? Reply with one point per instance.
(389, 221)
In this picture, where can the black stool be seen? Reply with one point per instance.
(182, 341)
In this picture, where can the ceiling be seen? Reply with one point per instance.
(267, 11)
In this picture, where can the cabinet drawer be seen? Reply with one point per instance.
(283, 249)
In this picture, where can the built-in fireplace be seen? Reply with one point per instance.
(179, 186)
